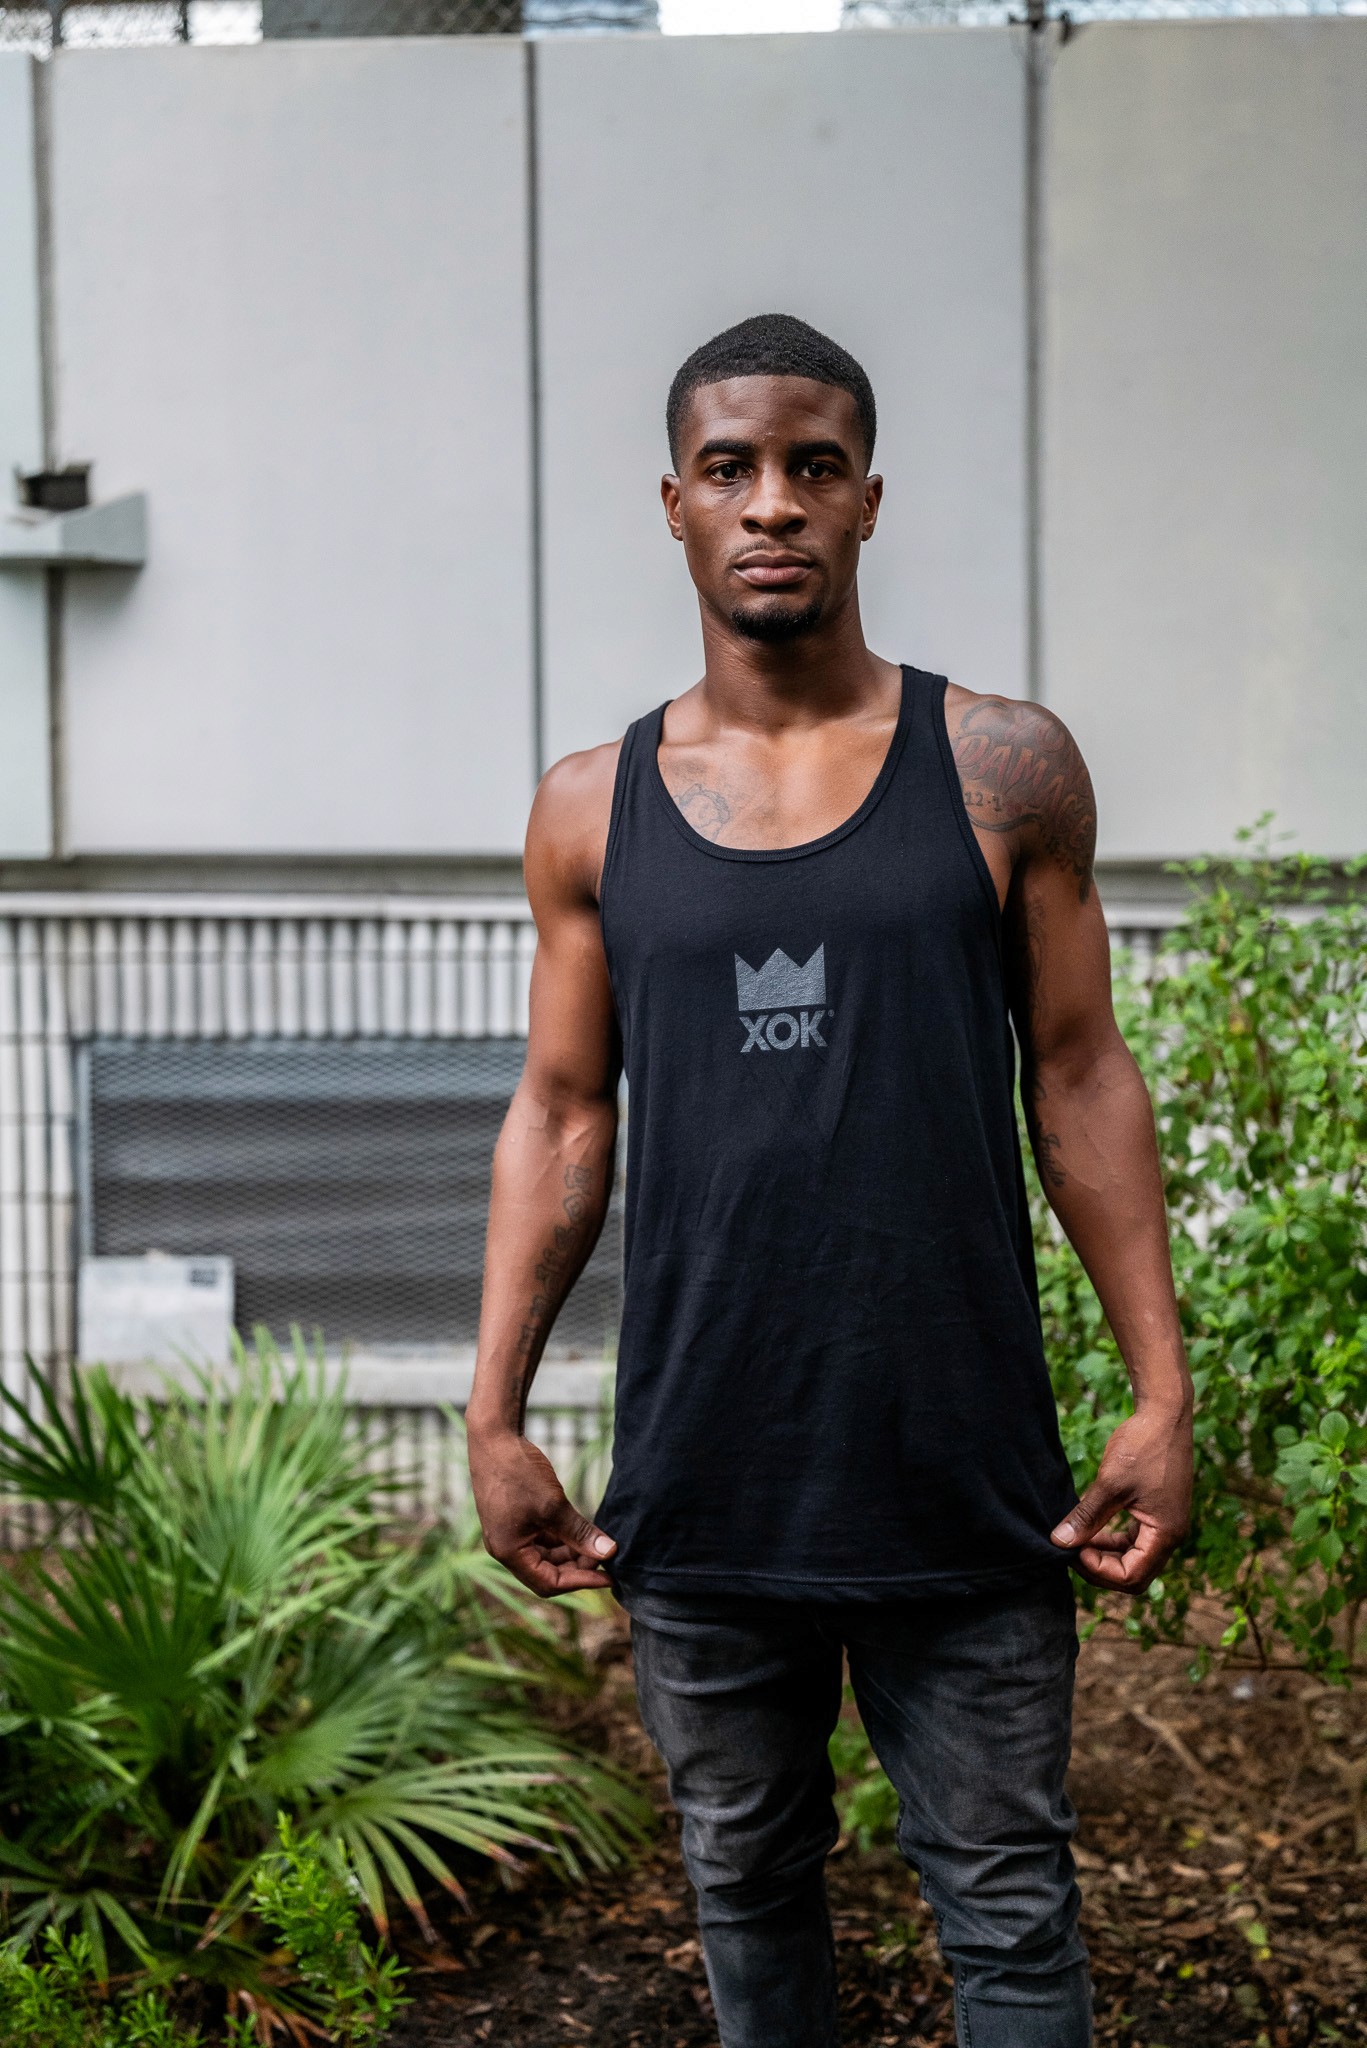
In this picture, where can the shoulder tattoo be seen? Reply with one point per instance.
(1020, 768)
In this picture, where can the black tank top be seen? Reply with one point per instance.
(830, 1379)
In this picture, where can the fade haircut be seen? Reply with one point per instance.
(771, 345)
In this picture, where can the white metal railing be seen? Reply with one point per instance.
(178, 967)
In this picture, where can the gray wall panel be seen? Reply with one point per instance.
(25, 781)
(291, 306)
(1206, 428)
(870, 183)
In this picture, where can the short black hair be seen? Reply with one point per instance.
(771, 345)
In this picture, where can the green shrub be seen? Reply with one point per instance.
(311, 1905)
(865, 1801)
(59, 2004)
(234, 1630)
(1250, 1032)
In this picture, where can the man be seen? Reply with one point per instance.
(804, 904)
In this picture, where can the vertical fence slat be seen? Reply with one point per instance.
(342, 978)
(33, 1110)
(394, 979)
(474, 1002)
(132, 974)
(420, 978)
(108, 1010)
(80, 977)
(368, 1005)
(262, 978)
(289, 979)
(209, 977)
(157, 978)
(502, 965)
(61, 1118)
(446, 980)
(237, 1000)
(185, 1020)
(11, 1168)
(314, 978)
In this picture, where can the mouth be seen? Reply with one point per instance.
(772, 571)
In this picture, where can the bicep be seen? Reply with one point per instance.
(1059, 965)
(572, 1040)
(573, 1047)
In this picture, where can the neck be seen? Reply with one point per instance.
(827, 673)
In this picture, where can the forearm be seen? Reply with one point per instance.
(552, 1178)
(1091, 1124)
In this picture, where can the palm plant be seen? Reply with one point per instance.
(233, 1628)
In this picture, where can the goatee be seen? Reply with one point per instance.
(772, 621)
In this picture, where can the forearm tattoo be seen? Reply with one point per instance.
(557, 1268)
(1019, 767)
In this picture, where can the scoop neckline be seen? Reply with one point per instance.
(805, 846)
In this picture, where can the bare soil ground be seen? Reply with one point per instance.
(1225, 1892)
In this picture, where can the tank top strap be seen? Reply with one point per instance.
(632, 800)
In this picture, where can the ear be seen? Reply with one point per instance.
(669, 494)
(873, 498)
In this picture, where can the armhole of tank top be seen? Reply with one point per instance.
(940, 688)
(625, 758)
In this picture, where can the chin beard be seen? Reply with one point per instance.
(773, 621)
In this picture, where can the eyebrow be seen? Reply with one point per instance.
(741, 448)
(801, 451)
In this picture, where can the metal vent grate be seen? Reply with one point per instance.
(348, 1180)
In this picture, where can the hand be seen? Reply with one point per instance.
(529, 1524)
(1146, 1474)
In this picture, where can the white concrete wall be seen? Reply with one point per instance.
(25, 782)
(871, 183)
(290, 300)
(1206, 428)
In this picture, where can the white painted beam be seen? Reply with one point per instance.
(110, 536)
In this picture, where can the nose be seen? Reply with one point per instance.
(773, 505)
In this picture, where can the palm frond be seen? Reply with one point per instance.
(241, 1631)
(76, 1456)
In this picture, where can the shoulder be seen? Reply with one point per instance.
(576, 789)
(568, 829)
(1022, 774)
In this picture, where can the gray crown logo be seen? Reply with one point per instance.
(781, 984)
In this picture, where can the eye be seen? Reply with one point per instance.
(726, 472)
(819, 468)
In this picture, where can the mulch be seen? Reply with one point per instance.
(1220, 1854)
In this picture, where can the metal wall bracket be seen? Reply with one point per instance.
(112, 536)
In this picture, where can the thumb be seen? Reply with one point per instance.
(1091, 1514)
(580, 1533)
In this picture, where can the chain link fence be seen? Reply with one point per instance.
(1074, 13)
(76, 24)
(111, 23)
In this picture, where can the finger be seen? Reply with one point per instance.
(574, 1578)
(1132, 1569)
(581, 1535)
(1104, 1568)
(1097, 1507)
(547, 1578)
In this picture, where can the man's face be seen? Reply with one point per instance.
(772, 502)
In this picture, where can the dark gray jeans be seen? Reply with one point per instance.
(968, 1704)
